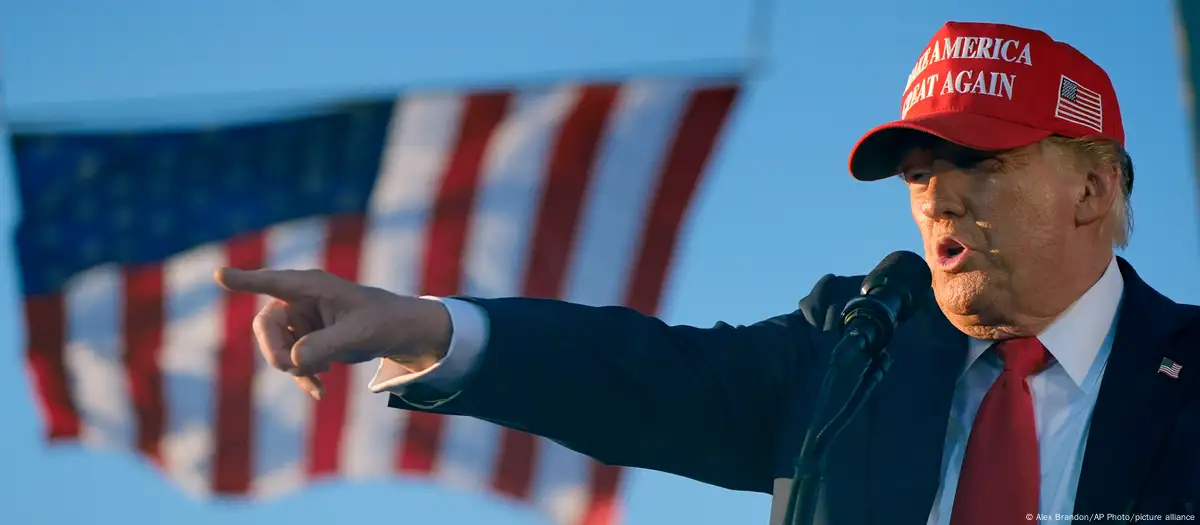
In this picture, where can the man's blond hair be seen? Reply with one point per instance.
(1095, 153)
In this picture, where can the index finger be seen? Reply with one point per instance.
(281, 284)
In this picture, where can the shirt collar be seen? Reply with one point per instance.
(1076, 336)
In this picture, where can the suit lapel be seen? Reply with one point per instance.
(909, 414)
(1136, 404)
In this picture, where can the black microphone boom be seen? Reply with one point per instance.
(889, 296)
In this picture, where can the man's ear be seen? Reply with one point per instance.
(1101, 185)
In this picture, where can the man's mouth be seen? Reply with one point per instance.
(951, 253)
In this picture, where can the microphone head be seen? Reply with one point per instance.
(888, 297)
(903, 270)
(902, 276)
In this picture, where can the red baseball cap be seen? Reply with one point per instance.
(993, 87)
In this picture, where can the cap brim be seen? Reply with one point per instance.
(878, 153)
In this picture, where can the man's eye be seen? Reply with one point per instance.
(915, 176)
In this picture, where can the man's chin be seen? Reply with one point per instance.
(962, 293)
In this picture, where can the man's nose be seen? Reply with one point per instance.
(943, 195)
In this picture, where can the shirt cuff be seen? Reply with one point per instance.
(469, 329)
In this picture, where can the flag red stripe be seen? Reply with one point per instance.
(232, 465)
(343, 246)
(694, 143)
(46, 322)
(446, 241)
(604, 500)
(567, 177)
(562, 202)
(143, 321)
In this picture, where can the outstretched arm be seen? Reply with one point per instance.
(625, 388)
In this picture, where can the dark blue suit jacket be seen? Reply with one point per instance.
(729, 405)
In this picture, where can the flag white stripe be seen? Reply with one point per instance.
(420, 139)
(192, 337)
(94, 354)
(624, 180)
(497, 249)
(511, 182)
(1078, 118)
(282, 412)
(420, 142)
(1079, 110)
(1083, 120)
(622, 189)
(1089, 95)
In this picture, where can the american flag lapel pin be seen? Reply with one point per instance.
(1170, 368)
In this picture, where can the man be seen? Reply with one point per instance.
(1012, 148)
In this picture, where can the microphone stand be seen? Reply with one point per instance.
(810, 463)
(868, 323)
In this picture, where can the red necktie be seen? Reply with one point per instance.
(998, 484)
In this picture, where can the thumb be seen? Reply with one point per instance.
(336, 343)
(281, 284)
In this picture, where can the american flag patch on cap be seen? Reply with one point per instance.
(1079, 105)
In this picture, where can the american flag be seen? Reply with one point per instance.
(1079, 105)
(1170, 367)
(573, 191)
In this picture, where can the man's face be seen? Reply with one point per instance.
(996, 226)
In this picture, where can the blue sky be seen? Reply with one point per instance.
(759, 236)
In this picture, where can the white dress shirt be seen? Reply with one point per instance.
(1064, 393)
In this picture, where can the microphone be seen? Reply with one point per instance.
(858, 364)
(888, 299)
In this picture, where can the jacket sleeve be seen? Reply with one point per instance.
(628, 389)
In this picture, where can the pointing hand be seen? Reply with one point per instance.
(315, 319)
